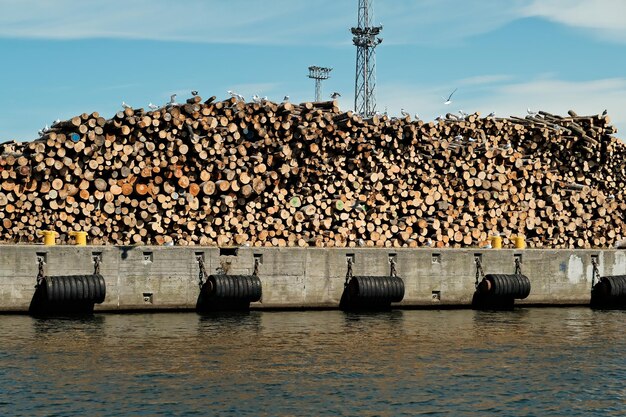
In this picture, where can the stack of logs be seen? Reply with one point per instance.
(230, 173)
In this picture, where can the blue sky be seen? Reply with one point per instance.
(65, 57)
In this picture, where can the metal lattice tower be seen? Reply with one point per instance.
(319, 74)
(366, 40)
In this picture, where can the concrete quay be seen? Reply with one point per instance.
(160, 278)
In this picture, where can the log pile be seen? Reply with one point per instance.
(230, 173)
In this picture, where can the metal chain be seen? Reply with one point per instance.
(596, 272)
(518, 267)
(96, 265)
(392, 263)
(479, 271)
(202, 274)
(349, 273)
(40, 273)
(255, 271)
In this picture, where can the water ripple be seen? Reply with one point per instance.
(528, 362)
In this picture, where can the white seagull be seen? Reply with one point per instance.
(286, 98)
(439, 118)
(335, 95)
(449, 99)
(43, 131)
(531, 113)
(256, 98)
(417, 116)
(126, 106)
(458, 137)
(405, 114)
(173, 100)
(194, 93)
(463, 114)
(56, 122)
(237, 96)
(152, 106)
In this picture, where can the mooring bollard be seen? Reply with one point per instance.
(49, 237)
(80, 238)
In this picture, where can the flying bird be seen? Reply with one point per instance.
(335, 95)
(126, 106)
(449, 99)
(152, 106)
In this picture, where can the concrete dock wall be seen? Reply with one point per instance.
(147, 277)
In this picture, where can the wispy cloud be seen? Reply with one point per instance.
(603, 17)
(549, 94)
(208, 21)
(485, 79)
(427, 22)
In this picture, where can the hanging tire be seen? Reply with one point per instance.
(609, 292)
(233, 287)
(69, 288)
(376, 289)
(72, 294)
(505, 285)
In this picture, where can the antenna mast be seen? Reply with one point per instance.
(319, 74)
(366, 40)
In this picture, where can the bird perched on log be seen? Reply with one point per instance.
(43, 131)
(56, 122)
(126, 106)
(463, 114)
(194, 93)
(285, 99)
(531, 113)
(404, 113)
(256, 98)
(152, 106)
(335, 95)
(173, 100)
(237, 96)
(492, 114)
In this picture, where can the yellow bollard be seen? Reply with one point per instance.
(496, 242)
(49, 237)
(80, 238)
(519, 242)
